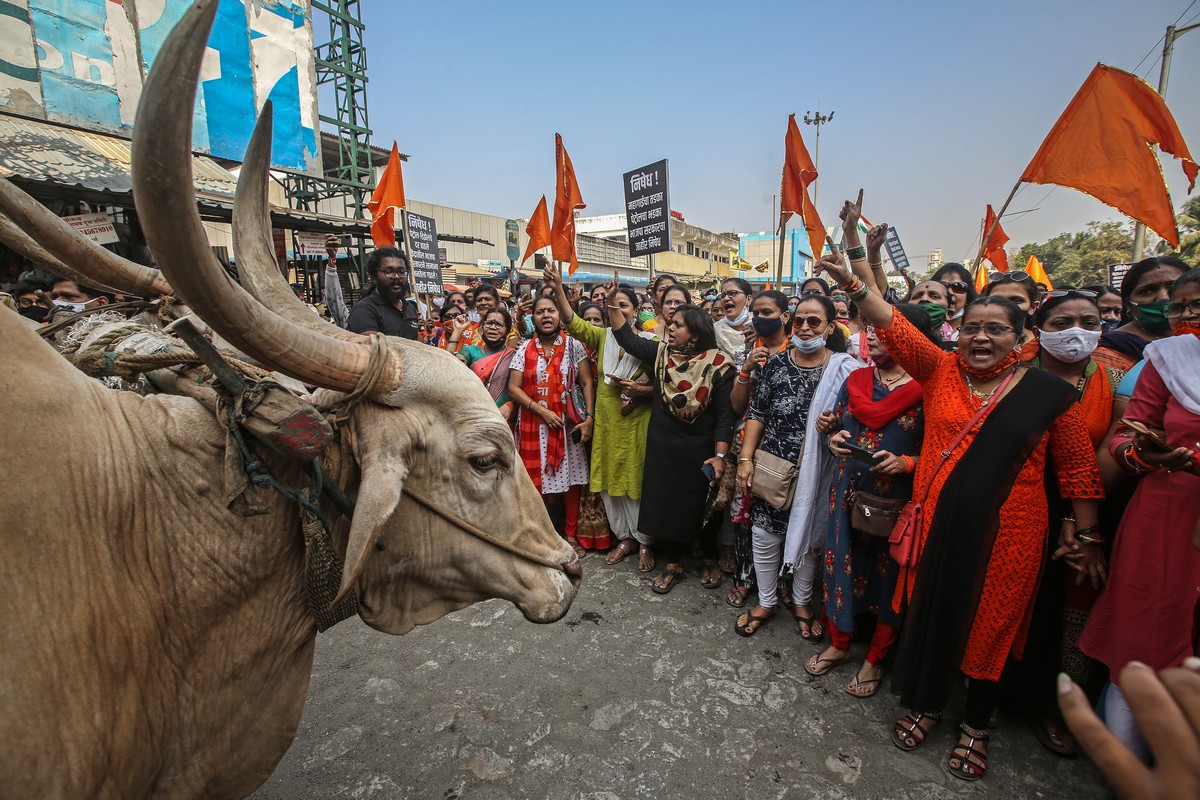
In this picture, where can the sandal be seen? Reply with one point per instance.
(753, 623)
(1054, 736)
(809, 627)
(646, 561)
(784, 592)
(576, 546)
(863, 689)
(737, 596)
(818, 665)
(967, 769)
(711, 576)
(673, 577)
(908, 734)
(618, 553)
(727, 561)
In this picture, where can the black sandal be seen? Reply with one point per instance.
(967, 769)
(809, 627)
(907, 733)
(711, 576)
(676, 575)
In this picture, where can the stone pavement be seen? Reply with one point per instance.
(632, 695)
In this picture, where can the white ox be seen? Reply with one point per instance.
(154, 643)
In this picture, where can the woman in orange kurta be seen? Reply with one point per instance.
(984, 532)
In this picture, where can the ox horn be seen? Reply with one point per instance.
(12, 235)
(163, 191)
(69, 247)
(256, 263)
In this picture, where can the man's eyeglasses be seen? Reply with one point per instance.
(1175, 310)
(811, 322)
(993, 329)
(392, 273)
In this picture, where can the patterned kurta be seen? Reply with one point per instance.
(574, 468)
(860, 575)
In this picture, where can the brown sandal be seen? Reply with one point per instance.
(576, 546)
(737, 596)
(618, 553)
(908, 734)
(967, 769)
(753, 623)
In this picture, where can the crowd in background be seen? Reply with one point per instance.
(1002, 485)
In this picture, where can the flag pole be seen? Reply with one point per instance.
(988, 234)
(412, 281)
(782, 231)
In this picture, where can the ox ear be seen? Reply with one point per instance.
(384, 465)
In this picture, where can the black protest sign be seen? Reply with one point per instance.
(895, 251)
(1116, 275)
(648, 209)
(426, 261)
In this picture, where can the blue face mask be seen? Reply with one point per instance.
(808, 346)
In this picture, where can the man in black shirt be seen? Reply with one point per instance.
(386, 307)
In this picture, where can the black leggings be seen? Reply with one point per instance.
(982, 699)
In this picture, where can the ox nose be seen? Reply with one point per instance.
(574, 571)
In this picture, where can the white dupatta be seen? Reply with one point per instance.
(1177, 359)
(810, 506)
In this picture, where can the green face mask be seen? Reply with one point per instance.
(647, 315)
(1153, 316)
(937, 314)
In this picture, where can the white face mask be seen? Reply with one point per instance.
(1071, 346)
(808, 346)
(76, 307)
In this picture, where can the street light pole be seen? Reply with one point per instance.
(817, 120)
(1173, 33)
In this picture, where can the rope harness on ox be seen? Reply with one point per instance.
(241, 389)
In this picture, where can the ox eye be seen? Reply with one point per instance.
(485, 463)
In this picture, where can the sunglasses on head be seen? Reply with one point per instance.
(1009, 277)
(1081, 293)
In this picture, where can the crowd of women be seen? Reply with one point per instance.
(1000, 485)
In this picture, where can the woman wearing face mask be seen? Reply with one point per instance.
(1109, 301)
(980, 544)
(1147, 611)
(619, 438)
(959, 282)
(689, 431)
(542, 373)
(772, 322)
(1146, 291)
(879, 408)
(934, 298)
(794, 387)
(491, 358)
(1068, 328)
(1020, 288)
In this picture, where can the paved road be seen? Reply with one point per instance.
(632, 695)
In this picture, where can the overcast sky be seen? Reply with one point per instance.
(938, 106)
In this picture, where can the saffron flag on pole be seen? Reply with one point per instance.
(993, 251)
(981, 277)
(538, 230)
(1100, 146)
(1034, 269)
(387, 197)
(799, 172)
(566, 199)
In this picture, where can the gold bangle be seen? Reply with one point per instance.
(744, 460)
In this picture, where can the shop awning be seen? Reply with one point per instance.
(95, 166)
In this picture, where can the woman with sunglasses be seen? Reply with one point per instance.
(1020, 288)
(490, 358)
(792, 389)
(1146, 293)
(1147, 611)
(958, 281)
(1068, 325)
(980, 544)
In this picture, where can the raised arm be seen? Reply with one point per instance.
(552, 277)
(644, 350)
(850, 215)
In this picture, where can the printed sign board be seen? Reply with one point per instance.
(426, 266)
(97, 227)
(309, 243)
(896, 251)
(84, 62)
(1116, 275)
(512, 239)
(648, 209)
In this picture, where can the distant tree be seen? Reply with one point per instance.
(1188, 223)
(1079, 259)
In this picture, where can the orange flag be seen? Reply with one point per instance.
(981, 278)
(566, 199)
(388, 196)
(1100, 146)
(1034, 269)
(799, 172)
(538, 230)
(993, 251)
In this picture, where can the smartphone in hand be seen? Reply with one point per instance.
(709, 471)
(859, 453)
